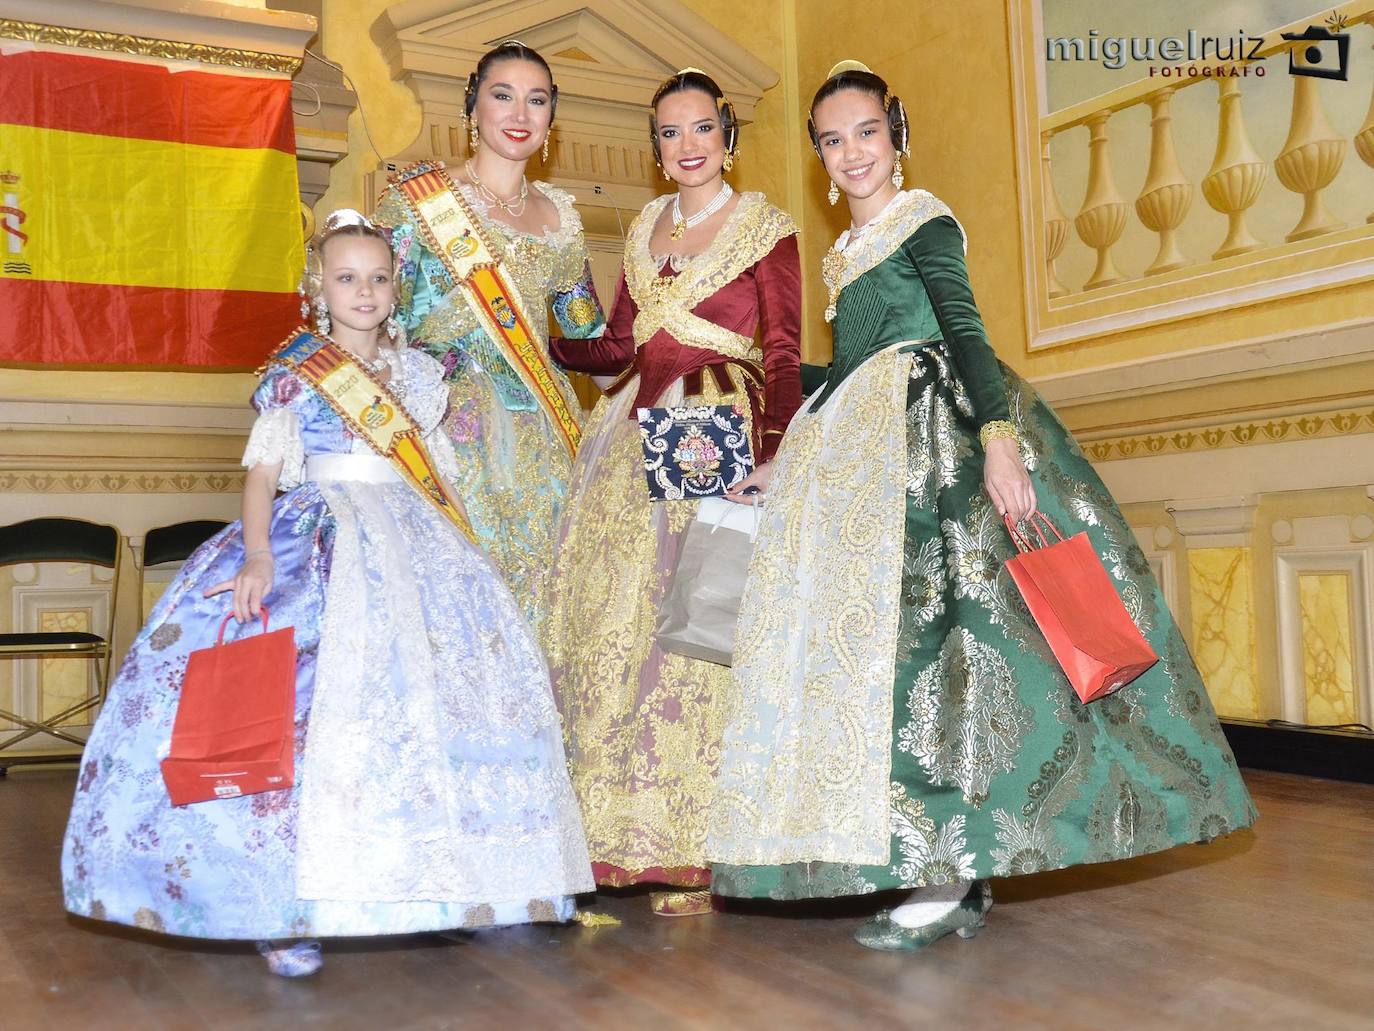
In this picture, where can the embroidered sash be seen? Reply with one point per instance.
(372, 412)
(454, 234)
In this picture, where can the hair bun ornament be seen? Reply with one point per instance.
(848, 66)
(345, 217)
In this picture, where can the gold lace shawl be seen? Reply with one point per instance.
(666, 302)
(806, 758)
(906, 213)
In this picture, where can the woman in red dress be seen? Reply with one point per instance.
(707, 312)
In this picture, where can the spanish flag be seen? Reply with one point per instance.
(148, 217)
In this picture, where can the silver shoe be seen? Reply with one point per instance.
(882, 932)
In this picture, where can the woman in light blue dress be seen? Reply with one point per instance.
(513, 464)
(430, 789)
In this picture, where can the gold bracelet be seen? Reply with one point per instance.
(998, 429)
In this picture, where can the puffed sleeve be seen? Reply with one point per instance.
(276, 434)
(440, 449)
(778, 279)
(937, 251)
(425, 395)
(610, 353)
(576, 308)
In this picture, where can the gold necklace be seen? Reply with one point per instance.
(508, 206)
(834, 263)
(832, 269)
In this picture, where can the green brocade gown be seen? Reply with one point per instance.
(900, 720)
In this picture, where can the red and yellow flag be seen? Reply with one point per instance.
(147, 217)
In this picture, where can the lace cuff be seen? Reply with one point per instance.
(440, 449)
(276, 437)
(425, 392)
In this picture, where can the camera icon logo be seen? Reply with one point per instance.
(1319, 52)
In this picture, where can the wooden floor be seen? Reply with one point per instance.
(1271, 928)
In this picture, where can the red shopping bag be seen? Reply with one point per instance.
(1078, 610)
(235, 724)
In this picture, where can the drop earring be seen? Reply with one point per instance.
(393, 328)
(322, 317)
(897, 177)
(728, 165)
(666, 176)
(544, 159)
(305, 302)
(473, 138)
(833, 194)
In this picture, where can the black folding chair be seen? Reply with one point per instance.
(169, 546)
(58, 540)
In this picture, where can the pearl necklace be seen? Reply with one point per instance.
(371, 364)
(681, 225)
(515, 208)
(836, 259)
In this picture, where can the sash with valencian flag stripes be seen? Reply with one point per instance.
(454, 234)
(151, 218)
(371, 411)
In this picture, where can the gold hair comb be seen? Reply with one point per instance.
(848, 66)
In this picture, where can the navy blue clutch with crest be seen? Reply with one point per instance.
(694, 451)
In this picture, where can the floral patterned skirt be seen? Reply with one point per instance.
(995, 767)
(643, 726)
(513, 471)
(431, 790)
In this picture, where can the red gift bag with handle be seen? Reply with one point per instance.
(234, 732)
(1076, 606)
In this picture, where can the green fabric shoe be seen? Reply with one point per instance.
(882, 932)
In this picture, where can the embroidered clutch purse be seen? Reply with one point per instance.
(694, 451)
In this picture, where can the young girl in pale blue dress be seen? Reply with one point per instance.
(430, 789)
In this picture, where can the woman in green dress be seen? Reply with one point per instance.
(900, 722)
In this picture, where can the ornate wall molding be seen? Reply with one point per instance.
(1255, 357)
(145, 46)
(605, 79)
(1215, 522)
(190, 30)
(322, 104)
(1311, 426)
(128, 481)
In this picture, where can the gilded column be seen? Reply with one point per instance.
(1237, 175)
(1056, 222)
(1103, 216)
(1364, 141)
(1166, 196)
(1310, 159)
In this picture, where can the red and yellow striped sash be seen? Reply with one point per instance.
(372, 412)
(454, 234)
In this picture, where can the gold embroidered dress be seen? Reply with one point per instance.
(643, 727)
(514, 467)
(900, 720)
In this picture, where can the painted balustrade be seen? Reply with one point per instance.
(1166, 196)
(1057, 223)
(1307, 163)
(1237, 175)
(1364, 146)
(1103, 217)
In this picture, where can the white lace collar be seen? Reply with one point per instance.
(569, 222)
